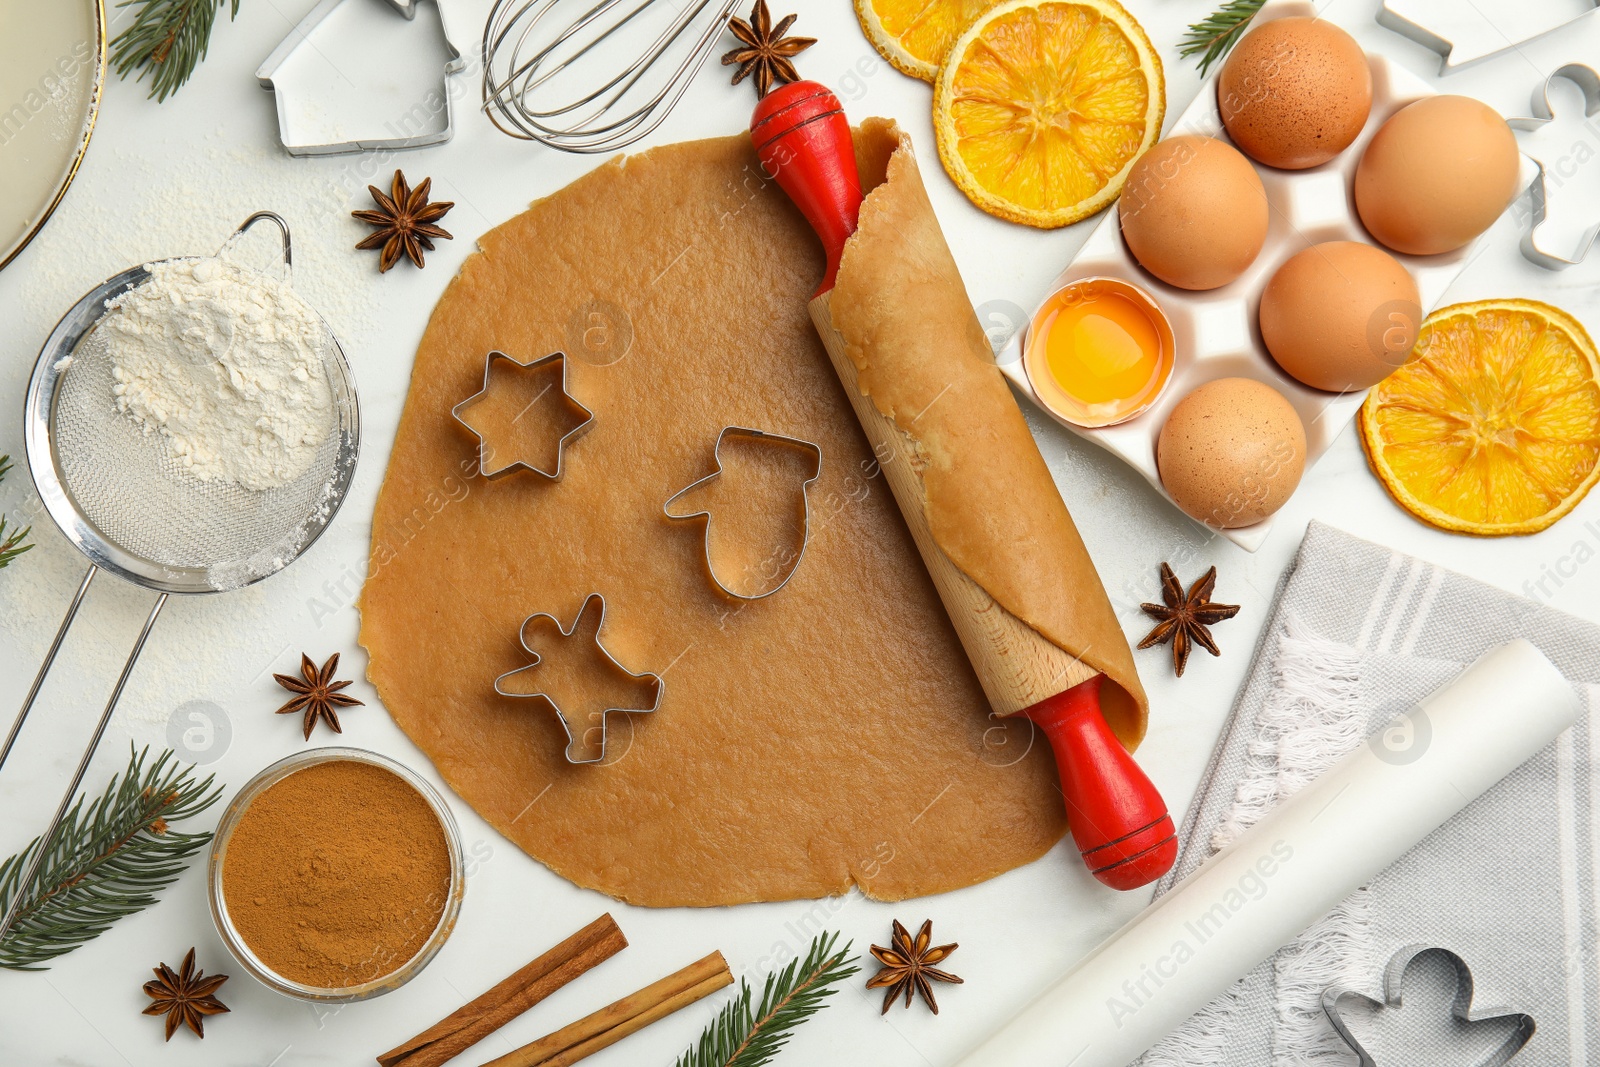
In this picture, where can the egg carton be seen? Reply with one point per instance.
(1215, 331)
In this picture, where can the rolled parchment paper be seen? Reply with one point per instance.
(1281, 875)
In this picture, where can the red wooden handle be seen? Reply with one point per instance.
(803, 140)
(1119, 821)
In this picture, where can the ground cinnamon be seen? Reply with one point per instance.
(337, 874)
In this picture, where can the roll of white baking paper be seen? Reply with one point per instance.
(1288, 870)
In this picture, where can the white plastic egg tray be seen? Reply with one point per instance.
(1215, 331)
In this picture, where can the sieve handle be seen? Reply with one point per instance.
(26, 882)
(49, 658)
(277, 220)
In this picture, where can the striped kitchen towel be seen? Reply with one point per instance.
(1358, 634)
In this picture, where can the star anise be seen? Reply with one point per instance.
(316, 693)
(909, 965)
(1186, 619)
(405, 221)
(185, 997)
(765, 51)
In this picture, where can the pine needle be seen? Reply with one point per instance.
(106, 861)
(1214, 36)
(11, 544)
(740, 1037)
(167, 40)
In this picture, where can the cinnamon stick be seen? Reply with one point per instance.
(616, 1021)
(478, 1018)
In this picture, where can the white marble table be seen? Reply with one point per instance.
(176, 178)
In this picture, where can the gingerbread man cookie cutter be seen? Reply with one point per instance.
(579, 750)
(1542, 244)
(749, 433)
(1461, 1007)
(486, 450)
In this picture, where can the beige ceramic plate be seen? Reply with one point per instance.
(52, 67)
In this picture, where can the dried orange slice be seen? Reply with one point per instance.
(1042, 106)
(914, 35)
(1494, 426)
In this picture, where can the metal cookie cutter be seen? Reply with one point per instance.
(1394, 977)
(593, 611)
(805, 487)
(486, 451)
(1539, 242)
(324, 111)
(1463, 33)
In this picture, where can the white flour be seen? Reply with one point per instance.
(227, 365)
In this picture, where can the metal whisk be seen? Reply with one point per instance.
(539, 72)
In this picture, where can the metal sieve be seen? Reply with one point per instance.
(126, 503)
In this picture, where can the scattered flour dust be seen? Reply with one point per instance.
(227, 365)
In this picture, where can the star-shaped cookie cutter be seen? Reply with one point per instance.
(1535, 244)
(1461, 1008)
(576, 748)
(716, 460)
(486, 451)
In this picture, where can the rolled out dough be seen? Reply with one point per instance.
(831, 735)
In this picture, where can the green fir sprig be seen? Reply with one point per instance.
(167, 39)
(742, 1037)
(12, 543)
(1215, 35)
(107, 860)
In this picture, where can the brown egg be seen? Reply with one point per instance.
(1341, 315)
(1436, 175)
(1194, 212)
(1232, 452)
(1295, 92)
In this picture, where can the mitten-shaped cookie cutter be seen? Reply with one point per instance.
(578, 748)
(805, 488)
(1539, 244)
(486, 450)
(1461, 1007)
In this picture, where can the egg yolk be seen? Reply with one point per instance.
(1102, 350)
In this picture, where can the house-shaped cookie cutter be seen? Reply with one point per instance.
(1463, 32)
(386, 129)
(1539, 244)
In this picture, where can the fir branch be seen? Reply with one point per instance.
(738, 1037)
(106, 861)
(1215, 35)
(11, 544)
(167, 39)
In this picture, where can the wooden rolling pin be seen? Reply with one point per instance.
(1118, 819)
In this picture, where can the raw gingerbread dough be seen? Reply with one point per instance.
(831, 735)
(922, 358)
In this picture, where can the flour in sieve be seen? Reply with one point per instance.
(226, 364)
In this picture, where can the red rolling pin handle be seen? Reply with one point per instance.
(803, 140)
(1118, 820)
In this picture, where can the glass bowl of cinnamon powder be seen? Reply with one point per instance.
(336, 875)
